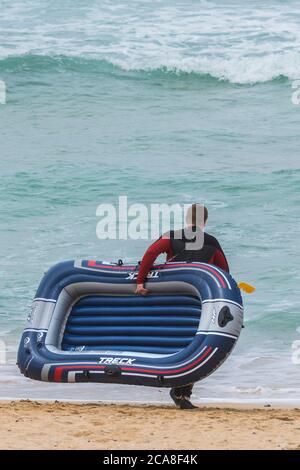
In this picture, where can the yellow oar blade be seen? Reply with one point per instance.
(246, 287)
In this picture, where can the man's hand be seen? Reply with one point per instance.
(140, 290)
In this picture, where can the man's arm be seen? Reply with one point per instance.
(163, 245)
(219, 259)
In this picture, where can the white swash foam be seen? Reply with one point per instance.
(269, 377)
(230, 40)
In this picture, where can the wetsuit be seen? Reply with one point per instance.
(174, 245)
(211, 253)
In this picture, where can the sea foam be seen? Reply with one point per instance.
(230, 41)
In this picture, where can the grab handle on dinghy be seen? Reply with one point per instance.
(113, 371)
(224, 317)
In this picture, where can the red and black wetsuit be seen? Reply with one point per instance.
(176, 249)
(211, 252)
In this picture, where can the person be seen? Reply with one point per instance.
(178, 246)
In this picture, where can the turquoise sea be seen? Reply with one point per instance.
(162, 101)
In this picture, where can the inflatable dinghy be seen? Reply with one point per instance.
(87, 325)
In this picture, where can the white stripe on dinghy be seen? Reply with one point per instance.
(195, 368)
(212, 266)
(225, 301)
(175, 375)
(71, 374)
(78, 264)
(217, 333)
(35, 330)
(107, 352)
(42, 299)
(175, 366)
(220, 272)
(46, 367)
(195, 268)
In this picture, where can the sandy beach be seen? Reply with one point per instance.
(58, 425)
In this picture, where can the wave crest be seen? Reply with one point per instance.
(235, 71)
(233, 42)
(239, 70)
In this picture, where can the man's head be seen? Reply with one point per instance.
(197, 215)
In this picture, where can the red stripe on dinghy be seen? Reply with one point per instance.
(94, 264)
(59, 370)
(201, 266)
(173, 371)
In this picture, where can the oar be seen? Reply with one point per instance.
(246, 287)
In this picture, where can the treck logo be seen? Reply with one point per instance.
(151, 275)
(125, 361)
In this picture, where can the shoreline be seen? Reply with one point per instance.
(35, 424)
(204, 403)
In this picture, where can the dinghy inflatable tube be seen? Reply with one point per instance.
(87, 325)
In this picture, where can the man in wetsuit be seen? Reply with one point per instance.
(178, 245)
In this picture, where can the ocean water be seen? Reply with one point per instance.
(162, 101)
